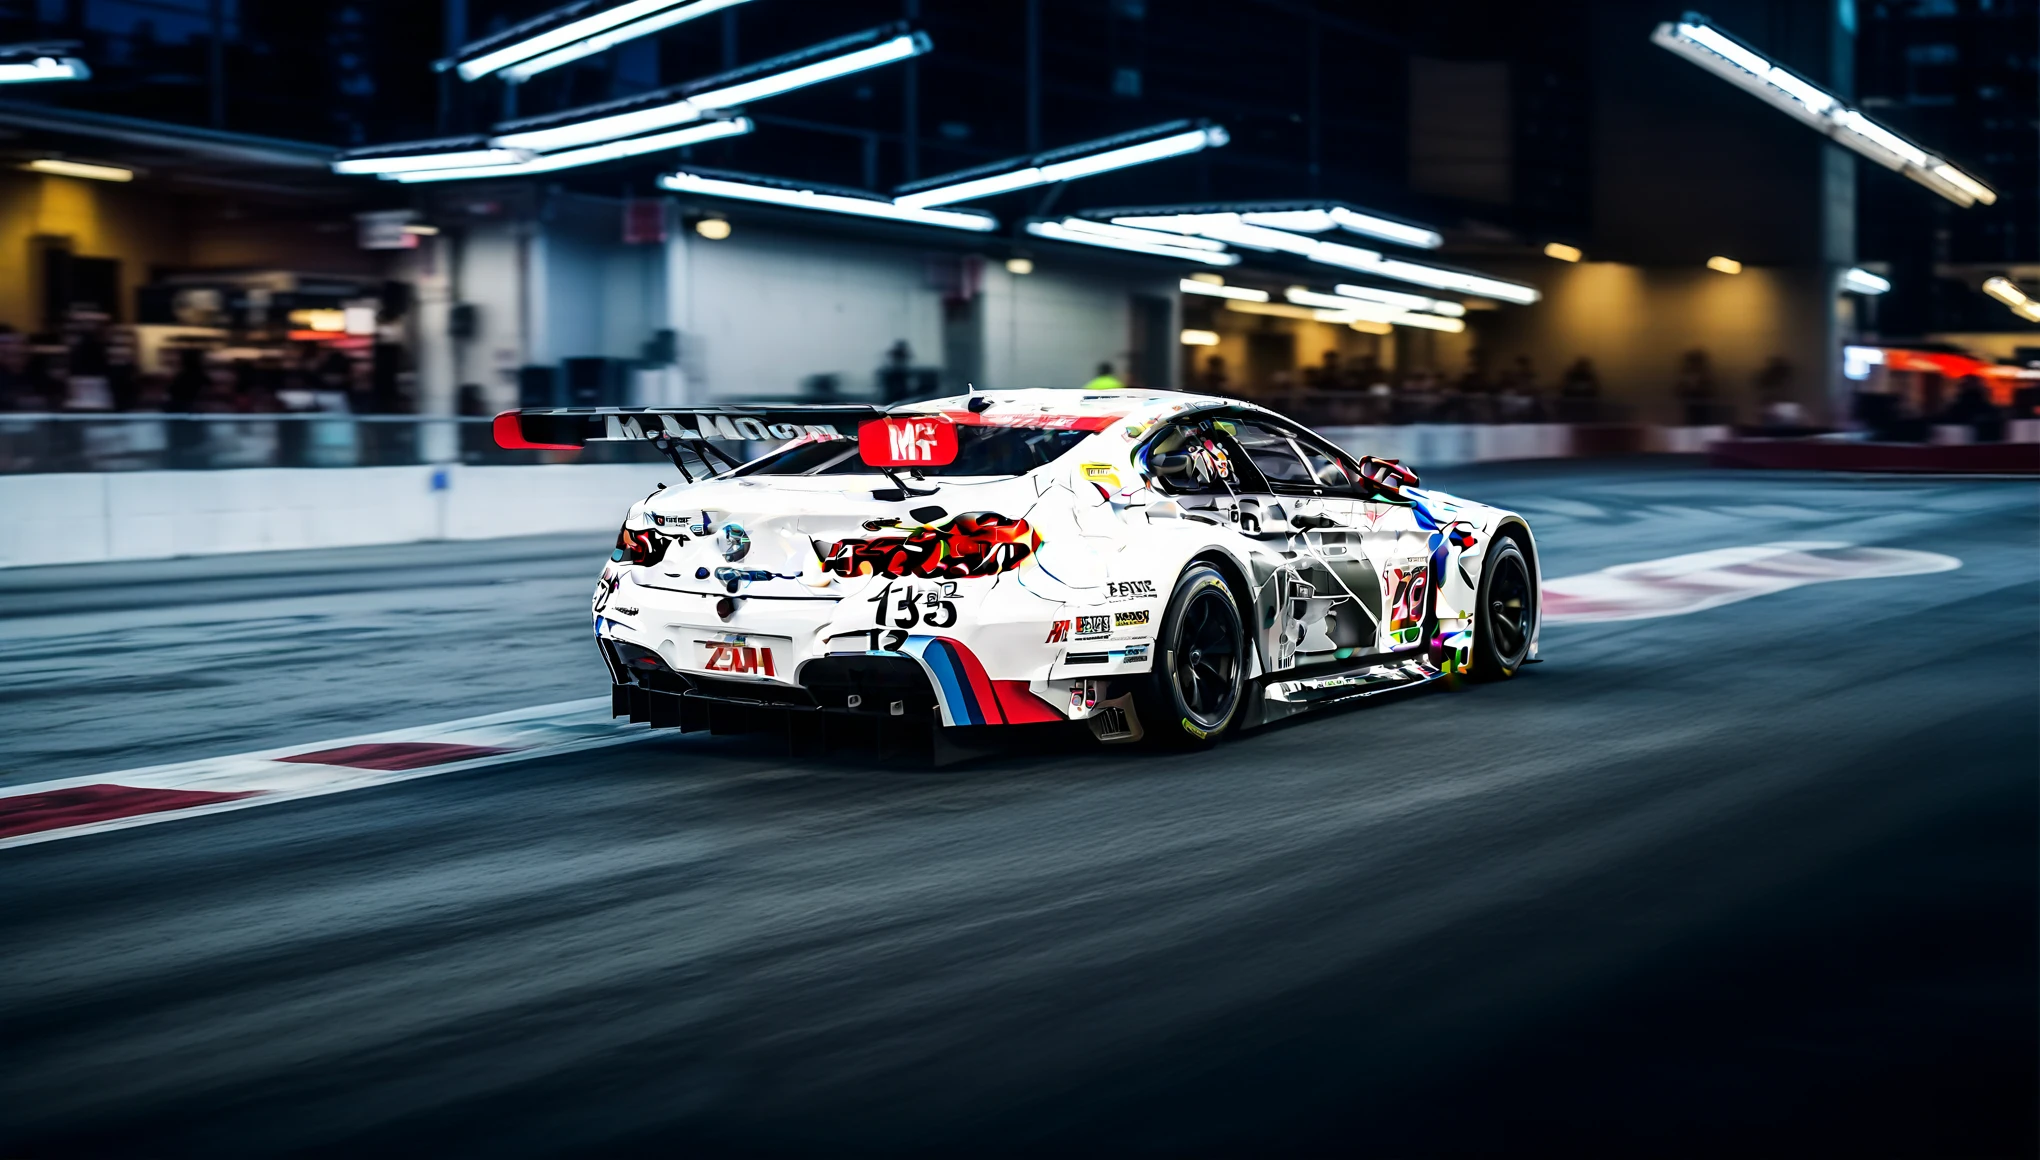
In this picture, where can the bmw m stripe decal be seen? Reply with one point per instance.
(960, 679)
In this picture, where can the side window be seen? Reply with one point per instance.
(1189, 460)
(1289, 464)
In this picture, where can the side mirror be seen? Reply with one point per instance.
(1387, 475)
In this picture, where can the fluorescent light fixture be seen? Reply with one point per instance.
(522, 71)
(592, 155)
(1429, 322)
(1318, 221)
(1233, 228)
(844, 203)
(1089, 233)
(1721, 54)
(1723, 265)
(1456, 280)
(1562, 252)
(714, 229)
(1376, 311)
(1020, 266)
(2005, 290)
(1364, 326)
(1857, 361)
(610, 25)
(1146, 237)
(422, 231)
(1218, 289)
(1386, 230)
(1405, 301)
(1350, 309)
(1200, 338)
(690, 103)
(81, 169)
(1860, 281)
(1049, 168)
(1285, 310)
(43, 68)
(424, 162)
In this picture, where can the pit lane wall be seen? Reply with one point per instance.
(72, 518)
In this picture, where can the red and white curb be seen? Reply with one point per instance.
(71, 807)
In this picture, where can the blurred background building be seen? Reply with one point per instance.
(175, 237)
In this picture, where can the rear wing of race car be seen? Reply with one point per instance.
(570, 428)
(677, 430)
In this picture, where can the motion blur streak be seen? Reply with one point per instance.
(1754, 879)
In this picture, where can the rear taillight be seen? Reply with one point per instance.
(641, 548)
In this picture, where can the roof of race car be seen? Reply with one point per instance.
(1093, 411)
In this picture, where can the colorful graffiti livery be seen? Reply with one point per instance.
(974, 544)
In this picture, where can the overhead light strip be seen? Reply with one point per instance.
(568, 36)
(44, 68)
(524, 70)
(1105, 161)
(1220, 290)
(1744, 67)
(1086, 233)
(420, 162)
(592, 155)
(1233, 228)
(684, 182)
(694, 106)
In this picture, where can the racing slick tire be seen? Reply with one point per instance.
(1506, 616)
(1198, 685)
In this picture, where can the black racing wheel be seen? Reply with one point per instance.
(1506, 615)
(1200, 675)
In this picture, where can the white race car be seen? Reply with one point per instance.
(1156, 565)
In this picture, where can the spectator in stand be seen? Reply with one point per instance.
(1579, 393)
(1972, 408)
(13, 370)
(189, 383)
(1694, 388)
(1106, 380)
(121, 376)
(1215, 381)
(1775, 405)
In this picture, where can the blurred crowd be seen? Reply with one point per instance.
(91, 366)
(1360, 391)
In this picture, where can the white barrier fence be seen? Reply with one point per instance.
(146, 515)
(84, 517)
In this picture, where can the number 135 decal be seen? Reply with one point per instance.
(904, 607)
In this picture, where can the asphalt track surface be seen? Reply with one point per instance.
(1759, 879)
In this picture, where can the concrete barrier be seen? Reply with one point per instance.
(146, 515)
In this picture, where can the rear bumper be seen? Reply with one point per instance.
(800, 730)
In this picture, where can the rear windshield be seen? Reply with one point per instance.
(980, 451)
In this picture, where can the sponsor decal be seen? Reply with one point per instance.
(1102, 473)
(737, 658)
(1132, 619)
(694, 425)
(1130, 590)
(1058, 633)
(1093, 626)
(1136, 652)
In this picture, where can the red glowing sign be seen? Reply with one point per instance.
(915, 442)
